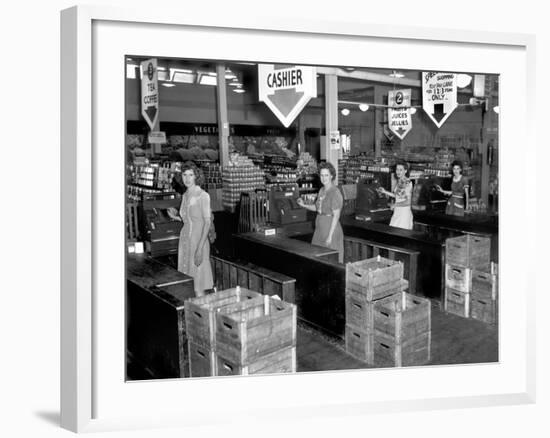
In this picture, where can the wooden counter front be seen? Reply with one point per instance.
(155, 321)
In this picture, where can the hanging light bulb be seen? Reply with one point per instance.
(345, 112)
(496, 109)
(463, 80)
(413, 110)
(363, 107)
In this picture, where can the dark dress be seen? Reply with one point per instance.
(326, 202)
(455, 204)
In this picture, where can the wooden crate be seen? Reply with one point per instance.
(388, 351)
(202, 361)
(374, 277)
(484, 310)
(458, 278)
(468, 251)
(484, 285)
(359, 344)
(200, 313)
(359, 310)
(457, 302)
(402, 316)
(250, 329)
(280, 361)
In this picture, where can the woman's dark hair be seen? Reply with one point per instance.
(330, 167)
(199, 177)
(405, 166)
(459, 164)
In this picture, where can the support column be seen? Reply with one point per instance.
(331, 119)
(378, 120)
(223, 122)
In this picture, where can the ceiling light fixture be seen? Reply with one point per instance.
(413, 110)
(396, 74)
(238, 90)
(230, 75)
(168, 84)
(496, 109)
(363, 107)
(236, 84)
(345, 112)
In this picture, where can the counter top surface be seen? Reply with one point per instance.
(294, 246)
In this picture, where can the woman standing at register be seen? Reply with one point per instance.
(328, 231)
(194, 246)
(458, 200)
(402, 216)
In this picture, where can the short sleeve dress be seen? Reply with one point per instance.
(194, 210)
(327, 201)
(455, 204)
(402, 214)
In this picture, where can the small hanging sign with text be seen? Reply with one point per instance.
(286, 89)
(157, 137)
(439, 95)
(399, 112)
(149, 92)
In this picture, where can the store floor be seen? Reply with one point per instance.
(455, 340)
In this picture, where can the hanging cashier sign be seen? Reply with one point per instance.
(286, 89)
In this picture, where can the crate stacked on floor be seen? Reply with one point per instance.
(385, 326)
(240, 332)
(241, 175)
(470, 278)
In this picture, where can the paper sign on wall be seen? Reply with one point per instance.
(149, 92)
(286, 89)
(399, 112)
(334, 140)
(439, 95)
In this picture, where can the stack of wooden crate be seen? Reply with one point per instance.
(200, 322)
(257, 336)
(384, 324)
(239, 331)
(484, 299)
(464, 256)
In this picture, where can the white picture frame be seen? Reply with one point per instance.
(93, 398)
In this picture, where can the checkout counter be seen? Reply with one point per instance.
(156, 341)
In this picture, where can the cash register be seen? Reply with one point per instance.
(161, 231)
(370, 204)
(283, 206)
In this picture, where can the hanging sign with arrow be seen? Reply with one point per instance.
(286, 89)
(149, 92)
(439, 95)
(399, 112)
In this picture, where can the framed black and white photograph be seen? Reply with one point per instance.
(297, 217)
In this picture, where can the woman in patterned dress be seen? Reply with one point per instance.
(328, 231)
(402, 216)
(194, 247)
(459, 193)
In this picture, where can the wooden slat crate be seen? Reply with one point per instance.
(470, 251)
(484, 310)
(200, 313)
(374, 277)
(457, 302)
(356, 249)
(202, 361)
(458, 278)
(359, 310)
(388, 351)
(228, 274)
(280, 361)
(402, 316)
(484, 285)
(248, 330)
(359, 344)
